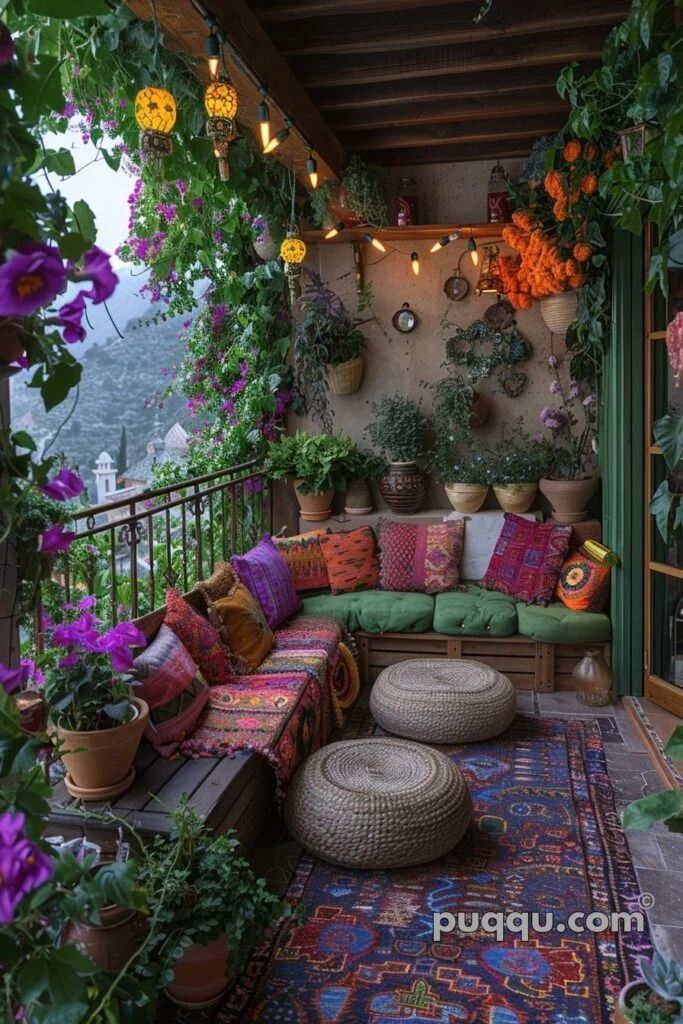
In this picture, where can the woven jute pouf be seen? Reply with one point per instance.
(443, 701)
(378, 803)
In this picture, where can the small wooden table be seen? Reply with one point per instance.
(229, 793)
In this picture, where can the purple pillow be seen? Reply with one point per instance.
(266, 575)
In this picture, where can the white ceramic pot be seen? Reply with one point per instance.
(559, 311)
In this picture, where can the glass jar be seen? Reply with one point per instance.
(497, 208)
(406, 203)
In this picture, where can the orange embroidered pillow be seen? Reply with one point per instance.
(584, 583)
(351, 560)
(305, 559)
(240, 621)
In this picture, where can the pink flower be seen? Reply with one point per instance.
(55, 539)
(70, 316)
(552, 361)
(553, 419)
(23, 865)
(30, 279)
(97, 268)
(555, 387)
(10, 678)
(66, 484)
(7, 51)
(86, 603)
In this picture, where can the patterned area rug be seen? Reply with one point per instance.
(545, 838)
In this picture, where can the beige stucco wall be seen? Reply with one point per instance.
(447, 194)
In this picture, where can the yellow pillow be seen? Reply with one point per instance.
(239, 619)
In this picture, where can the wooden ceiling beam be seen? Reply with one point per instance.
(501, 149)
(514, 105)
(455, 132)
(452, 26)
(269, 12)
(256, 55)
(496, 55)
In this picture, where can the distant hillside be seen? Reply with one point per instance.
(118, 375)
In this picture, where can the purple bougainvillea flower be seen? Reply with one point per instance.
(23, 865)
(10, 678)
(55, 539)
(97, 268)
(30, 279)
(30, 673)
(86, 603)
(66, 484)
(7, 50)
(117, 642)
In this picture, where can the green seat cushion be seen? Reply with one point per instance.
(375, 611)
(557, 624)
(475, 612)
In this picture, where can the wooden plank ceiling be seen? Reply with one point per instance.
(406, 82)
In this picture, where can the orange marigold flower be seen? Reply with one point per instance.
(589, 184)
(590, 151)
(576, 281)
(575, 195)
(571, 267)
(560, 210)
(554, 184)
(582, 252)
(572, 151)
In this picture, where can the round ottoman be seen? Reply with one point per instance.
(378, 803)
(443, 701)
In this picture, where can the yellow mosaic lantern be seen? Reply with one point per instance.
(293, 252)
(155, 112)
(221, 102)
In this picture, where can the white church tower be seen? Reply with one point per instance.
(105, 475)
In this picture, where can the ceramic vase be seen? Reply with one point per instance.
(403, 487)
(593, 680)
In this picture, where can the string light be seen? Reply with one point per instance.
(374, 241)
(312, 168)
(415, 263)
(213, 53)
(333, 232)
(281, 136)
(445, 241)
(264, 117)
(473, 251)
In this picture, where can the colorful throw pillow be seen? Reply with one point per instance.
(239, 619)
(527, 559)
(584, 583)
(171, 684)
(351, 560)
(266, 575)
(200, 638)
(220, 582)
(420, 556)
(305, 559)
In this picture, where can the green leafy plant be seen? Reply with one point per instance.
(661, 1001)
(317, 461)
(363, 187)
(518, 458)
(644, 1009)
(363, 464)
(666, 806)
(665, 504)
(453, 465)
(398, 428)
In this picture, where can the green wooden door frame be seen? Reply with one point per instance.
(622, 460)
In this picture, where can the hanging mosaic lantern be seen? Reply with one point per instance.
(221, 102)
(489, 277)
(155, 113)
(293, 252)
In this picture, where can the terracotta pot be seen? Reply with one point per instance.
(403, 487)
(199, 976)
(593, 680)
(99, 764)
(569, 497)
(480, 410)
(314, 507)
(345, 378)
(32, 711)
(358, 498)
(559, 311)
(114, 941)
(265, 246)
(466, 497)
(515, 497)
(339, 209)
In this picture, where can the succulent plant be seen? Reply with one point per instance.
(665, 977)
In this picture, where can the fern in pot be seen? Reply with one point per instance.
(398, 429)
(315, 463)
(357, 199)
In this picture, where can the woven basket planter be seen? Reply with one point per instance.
(559, 311)
(378, 803)
(443, 701)
(345, 378)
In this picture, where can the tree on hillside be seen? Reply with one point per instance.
(122, 456)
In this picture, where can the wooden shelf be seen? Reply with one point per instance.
(417, 233)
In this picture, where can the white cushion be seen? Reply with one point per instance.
(482, 530)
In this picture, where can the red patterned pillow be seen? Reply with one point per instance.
(527, 559)
(200, 638)
(420, 556)
(351, 560)
(305, 559)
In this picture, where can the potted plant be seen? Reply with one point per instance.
(665, 503)
(357, 199)
(465, 477)
(572, 483)
(657, 999)
(208, 908)
(362, 465)
(398, 429)
(95, 719)
(517, 462)
(328, 348)
(315, 463)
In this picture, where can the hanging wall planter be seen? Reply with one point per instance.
(265, 246)
(345, 378)
(559, 311)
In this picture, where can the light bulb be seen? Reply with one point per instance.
(277, 141)
(473, 251)
(264, 123)
(415, 263)
(312, 168)
(371, 240)
(213, 54)
(333, 232)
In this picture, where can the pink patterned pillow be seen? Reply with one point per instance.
(420, 556)
(527, 559)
